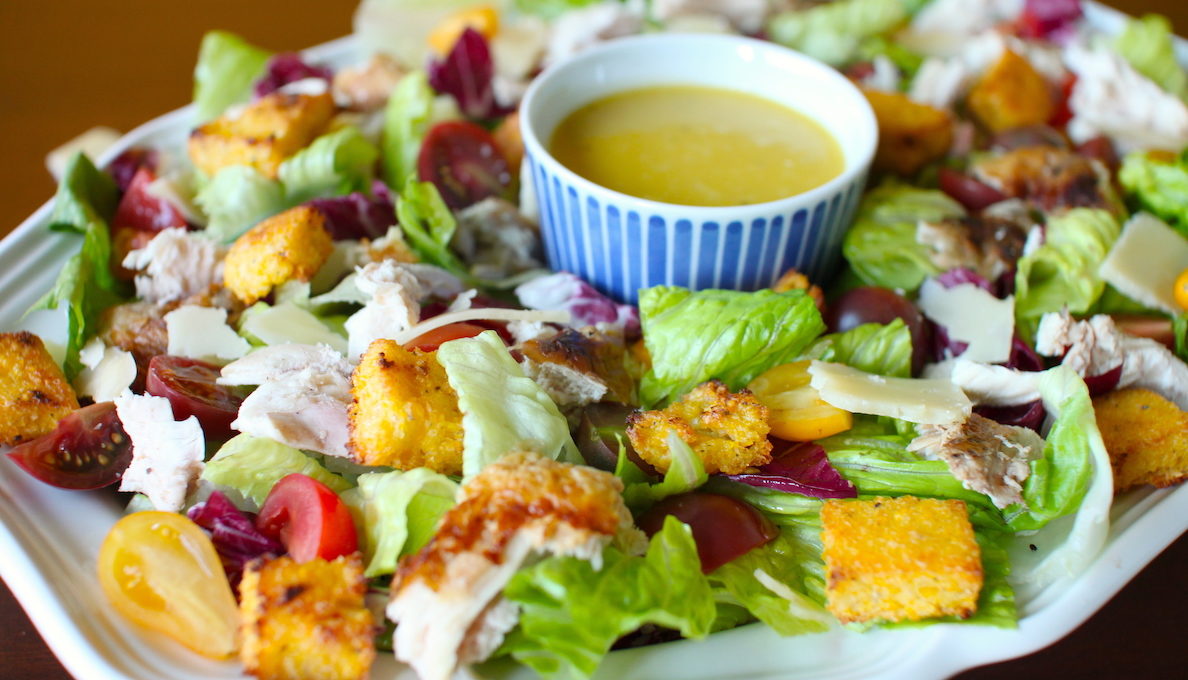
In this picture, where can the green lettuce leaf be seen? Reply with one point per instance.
(428, 226)
(236, 199)
(1180, 333)
(252, 465)
(226, 69)
(406, 120)
(881, 247)
(685, 473)
(334, 164)
(398, 513)
(1063, 271)
(551, 9)
(571, 613)
(86, 195)
(1148, 44)
(502, 409)
(883, 349)
(834, 32)
(729, 335)
(1158, 184)
(285, 322)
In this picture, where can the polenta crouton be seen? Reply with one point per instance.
(794, 280)
(306, 621)
(899, 559)
(263, 135)
(34, 394)
(404, 413)
(728, 431)
(291, 245)
(911, 135)
(1146, 437)
(1011, 94)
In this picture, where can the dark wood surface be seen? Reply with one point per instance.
(68, 65)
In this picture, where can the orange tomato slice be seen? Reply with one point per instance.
(796, 411)
(1180, 290)
(482, 18)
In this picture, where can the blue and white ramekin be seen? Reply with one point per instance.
(621, 243)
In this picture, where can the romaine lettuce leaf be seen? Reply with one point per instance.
(1158, 183)
(729, 335)
(1180, 333)
(397, 513)
(883, 349)
(406, 120)
(502, 409)
(236, 199)
(428, 226)
(334, 164)
(252, 465)
(881, 247)
(1147, 43)
(227, 66)
(571, 613)
(833, 32)
(1063, 271)
(86, 195)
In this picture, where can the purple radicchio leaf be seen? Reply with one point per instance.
(1053, 20)
(233, 534)
(1030, 415)
(466, 73)
(124, 166)
(586, 306)
(959, 275)
(285, 68)
(1103, 382)
(804, 469)
(358, 215)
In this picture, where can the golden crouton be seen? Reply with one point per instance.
(404, 414)
(305, 621)
(291, 245)
(34, 395)
(899, 559)
(1146, 437)
(794, 280)
(728, 431)
(263, 135)
(911, 135)
(1011, 94)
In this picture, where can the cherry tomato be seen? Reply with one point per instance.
(967, 191)
(795, 411)
(89, 449)
(429, 341)
(124, 166)
(190, 387)
(140, 209)
(1180, 290)
(161, 571)
(462, 160)
(308, 518)
(723, 528)
(871, 304)
(1062, 112)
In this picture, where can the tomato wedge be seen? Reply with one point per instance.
(723, 528)
(190, 387)
(796, 411)
(140, 209)
(87, 450)
(431, 340)
(463, 162)
(308, 518)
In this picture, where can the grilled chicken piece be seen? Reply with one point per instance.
(984, 244)
(577, 368)
(446, 598)
(1050, 177)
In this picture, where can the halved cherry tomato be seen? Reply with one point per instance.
(462, 160)
(431, 340)
(1180, 290)
(161, 571)
(872, 304)
(796, 411)
(723, 528)
(89, 449)
(190, 387)
(308, 518)
(140, 209)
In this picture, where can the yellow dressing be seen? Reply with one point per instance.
(696, 146)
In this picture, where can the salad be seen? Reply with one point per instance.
(316, 342)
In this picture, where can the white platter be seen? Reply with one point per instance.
(49, 539)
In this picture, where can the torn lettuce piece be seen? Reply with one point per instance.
(334, 164)
(428, 225)
(406, 120)
(1158, 183)
(834, 32)
(236, 199)
(685, 473)
(729, 335)
(397, 513)
(882, 349)
(253, 465)
(1062, 273)
(289, 322)
(86, 195)
(1148, 44)
(226, 70)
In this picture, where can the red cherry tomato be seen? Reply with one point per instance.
(871, 304)
(723, 528)
(462, 160)
(140, 209)
(967, 191)
(308, 518)
(190, 387)
(89, 449)
(1063, 112)
(429, 341)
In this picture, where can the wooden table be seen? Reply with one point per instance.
(67, 65)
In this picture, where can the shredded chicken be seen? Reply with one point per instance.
(987, 457)
(583, 28)
(166, 454)
(745, 15)
(175, 265)
(366, 88)
(395, 290)
(988, 384)
(497, 239)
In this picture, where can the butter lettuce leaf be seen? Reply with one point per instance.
(227, 66)
(334, 164)
(397, 513)
(1158, 183)
(253, 465)
(1148, 44)
(729, 335)
(1063, 271)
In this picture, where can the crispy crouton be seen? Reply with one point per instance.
(794, 280)
(404, 413)
(34, 395)
(305, 621)
(899, 559)
(728, 431)
(1011, 94)
(1146, 437)
(911, 135)
(263, 135)
(291, 245)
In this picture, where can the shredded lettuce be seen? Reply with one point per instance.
(397, 513)
(428, 226)
(834, 32)
(406, 120)
(1147, 43)
(334, 164)
(730, 335)
(253, 465)
(1158, 183)
(571, 613)
(236, 199)
(1063, 271)
(881, 247)
(502, 409)
(883, 349)
(227, 66)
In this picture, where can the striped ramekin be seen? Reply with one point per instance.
(621, 243)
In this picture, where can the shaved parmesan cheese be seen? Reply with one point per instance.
(973, 316)
(202, 333)
(107, 372)
(482, 314)
(933, 402)
(288, 323)
(1145, 261)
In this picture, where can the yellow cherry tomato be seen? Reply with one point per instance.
(160, 570)
(482, 18)
(1180, 289)
(796, 411)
